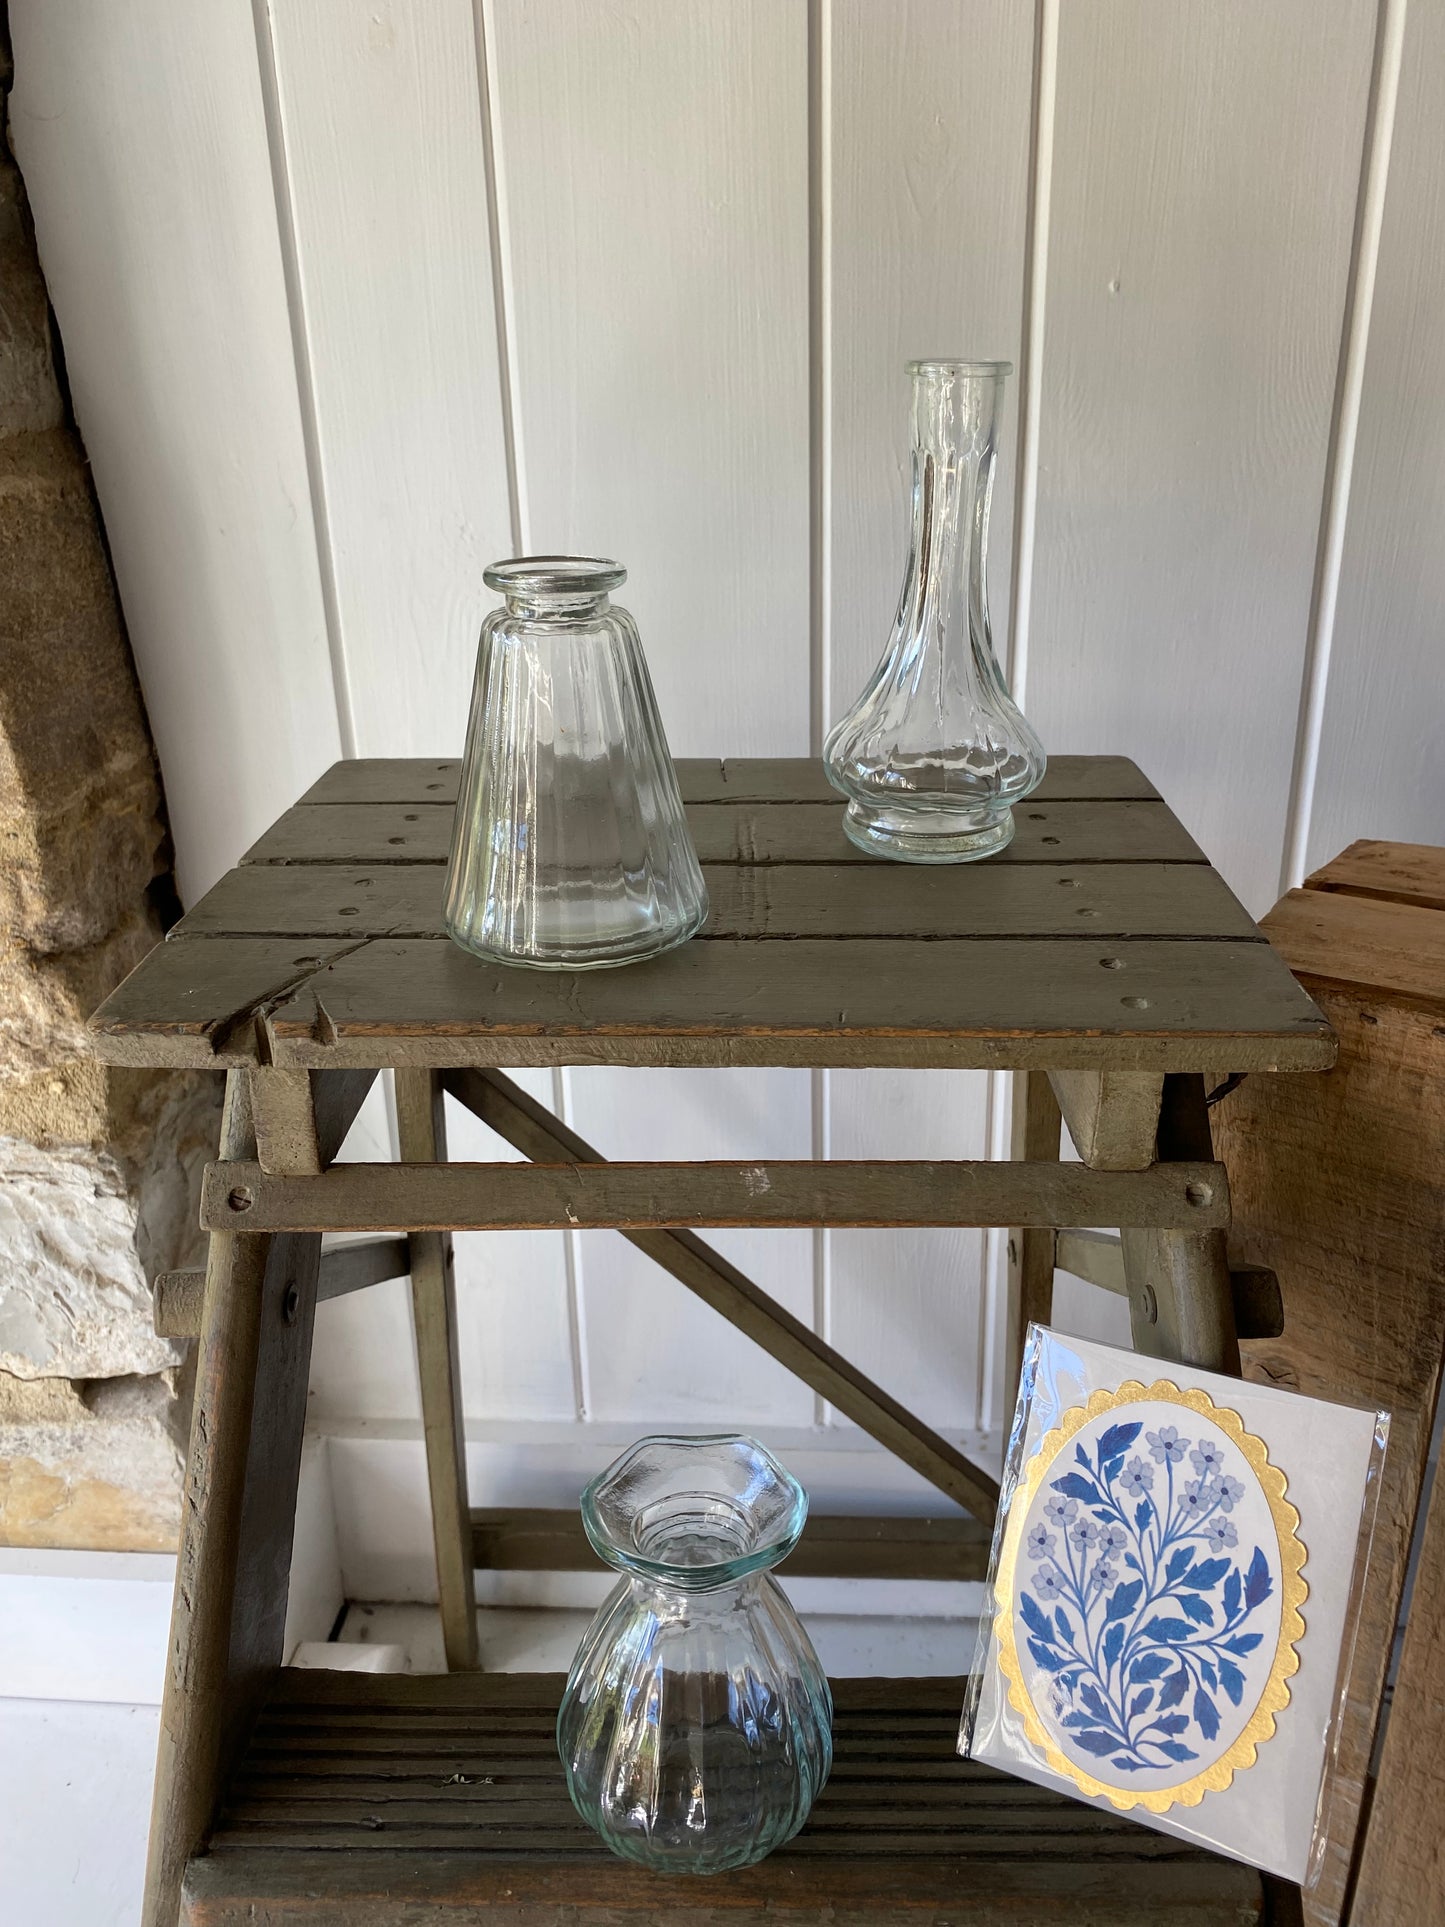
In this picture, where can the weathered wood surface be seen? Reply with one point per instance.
(415, 1804)
(178, 1295)
(421, 1136)
(1034, 1132)
(1100, 940)
(708, 779)
(1051, 833)
(1409, 873)
(657, 1196)
(1098, 1258)
(833, 1546)
(234, 1559)
(1112, 1115)
(1337, 1186)
(537, 1134)
(781, 900)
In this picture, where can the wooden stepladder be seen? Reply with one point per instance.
(1100, 958)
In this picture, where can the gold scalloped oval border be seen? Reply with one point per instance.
(1294, 1590)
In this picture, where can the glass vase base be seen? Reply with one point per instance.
(610, 956)
(926, 835)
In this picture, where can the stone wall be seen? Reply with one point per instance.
(98, 1167)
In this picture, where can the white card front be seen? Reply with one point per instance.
(1171, 1584)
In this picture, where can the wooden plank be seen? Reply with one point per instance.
(522, 1539)
(386, 177)
(1402, 1864)
(536, 1133)
(421, 1137)
(710, 779)
(1182, 460)
(285, 1120)
(1077, 832)
(1112, 1115)
(1141, 1005)
(1098, 1258)
(1035, 1125)
(1394, 948)
(1336, 1185)
(344, 1268)
(1411, 873)
(781, 901)
(658, 1196)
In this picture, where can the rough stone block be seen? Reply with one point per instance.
(97, 1468)
(29, 393)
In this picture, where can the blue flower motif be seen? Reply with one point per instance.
(1060, 1510)
(1230, 1490)
(1050, 1582)
(1112, 1539)
(1104, 1574)
(1137, 1477)
(1207, 1458)
(1083, 1532)
(1166, 1444)
(1222, 1533)
(1041, 1542)
(1197, 1499)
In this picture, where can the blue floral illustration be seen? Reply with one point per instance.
(1139, 1631)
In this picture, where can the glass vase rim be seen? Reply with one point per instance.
(554, 575)
(969, 370)
(773, 1546)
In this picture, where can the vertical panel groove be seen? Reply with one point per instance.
(993, 1398)
(301, 354)
(572, 1257)
(1344, 430)
(820, 293)
(501, 282)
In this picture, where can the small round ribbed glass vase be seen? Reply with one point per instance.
(696, 1728)
(571, 850)
(935, 751)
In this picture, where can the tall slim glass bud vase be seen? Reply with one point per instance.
(935, 751)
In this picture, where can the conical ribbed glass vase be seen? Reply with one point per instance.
(571, 850)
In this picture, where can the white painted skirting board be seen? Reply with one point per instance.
(383, 1523)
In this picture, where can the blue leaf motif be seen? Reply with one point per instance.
(1199, 1610)
(1130, 1766)
(1125, 1599)
(1077, 1719)
(1174, 1688)
(1243, 1642)
(1073, 1485)
(1114, 1443)
(1208, 1671)
(1258, 1585)
(1096, 1742)
(1176, 1751)
(1046, 1657)
(1231, 1595)
(1141, 1702)
(1232, 1680)
(1143, 1513)
(1083, 1458)
(1113, 1643)
(1094, 1700)
(1172, 1723)
(1061, 1620)
(1206, 1715)
(1150, 1666)
(1207, 1575)
(1035, 1618)
(1179, 1563)
(1170, 1631)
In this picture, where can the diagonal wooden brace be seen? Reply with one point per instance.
(535, 1132)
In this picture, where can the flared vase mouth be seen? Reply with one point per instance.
(530, 576)
(966, 370)
(695, 1513)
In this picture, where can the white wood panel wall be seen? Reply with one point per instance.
(357, 294)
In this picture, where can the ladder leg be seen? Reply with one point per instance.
(1035, 1136)
(422, 1132)
(1181, 1301)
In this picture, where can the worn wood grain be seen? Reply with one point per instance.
(537, 1134)
(1412, 873)
(706, 779)
(836, 1546)
(656, 1196)
(1392, 948)
(1336, 1184)
(1098, 1258)
(771, 901)
(1112, 1115)
(905, 1831)
(178, 1295)
(421, 1137)
(1047, 832)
